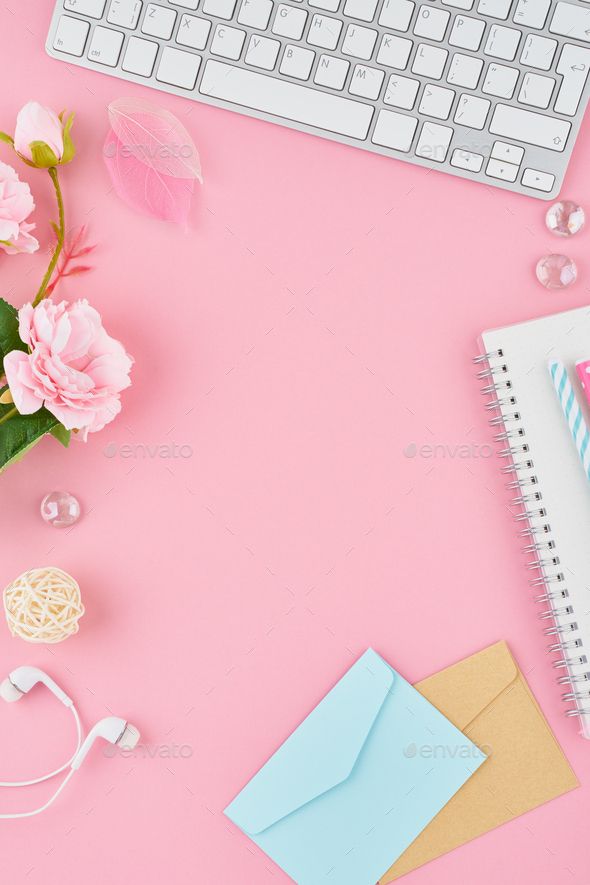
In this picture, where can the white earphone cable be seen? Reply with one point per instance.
(43, 807)
(46, 777)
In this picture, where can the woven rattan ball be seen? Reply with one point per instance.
(43, 605)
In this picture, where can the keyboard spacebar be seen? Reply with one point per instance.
(284, 99)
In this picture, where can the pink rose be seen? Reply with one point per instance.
(73, 367)
(16, 204)
(41, 137)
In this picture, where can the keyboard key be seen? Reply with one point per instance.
(219, 8)
(105, 46)
(158, 21)
(437, 102)
(331, 72)
(300, 104)
(465, 70)
(140, 56)
(255, 13)
(297, 62)
(459, 4)
(530, 127)
(467, 160)
(289, 22)
(185, 4)
(70, 36)
(532, 13)
(502, 171)
(262, 52)
(467, 33)
(508, 153)
(434, 142)
(395, 131)
(431, 23)
(539, 181)
(366, 82)
(328, 5)
(324, 31)
(394, 52)
(359, 41)
(397, 14)
(430, 61)
(124, 13)
(193, 31)
(178, 68)
(91, 8)
(574, 64)
(361, 9)
(571, 21)
(500, 81)
(495, 8)
(227, 42)
(538, 52)
(536, 90)
(503, 42)
(401, 92)
(472, 111)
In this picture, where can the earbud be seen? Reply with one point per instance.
(22, 680)
(112, 729)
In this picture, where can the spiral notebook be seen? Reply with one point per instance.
(551, 503)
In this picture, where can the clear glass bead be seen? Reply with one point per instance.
(60, 509)
(565, 218)
(556, 271)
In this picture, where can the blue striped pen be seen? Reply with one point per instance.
(572, 411)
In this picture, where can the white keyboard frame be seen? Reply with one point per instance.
(479, 141)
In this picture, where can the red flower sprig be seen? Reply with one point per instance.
(74, 249)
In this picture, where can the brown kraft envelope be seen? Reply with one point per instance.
(487, 697)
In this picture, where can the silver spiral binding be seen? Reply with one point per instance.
(571, 680)
(570, 662)
(494, 372)
(556, 612)
(543, 563)
(551, 597)
(537, 546)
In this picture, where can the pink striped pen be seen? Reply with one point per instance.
(583, 370)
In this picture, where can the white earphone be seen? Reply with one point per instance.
(112, 729)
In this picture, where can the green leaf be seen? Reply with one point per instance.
(7, 138)
(5, 407)
(61, 434)
(20, 433)
(43, 156)
(9, 337)
(69, 150)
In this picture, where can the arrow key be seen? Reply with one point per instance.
(538, 181)
(501, 170)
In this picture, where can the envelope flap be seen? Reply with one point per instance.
(461, 692)
(321, 753)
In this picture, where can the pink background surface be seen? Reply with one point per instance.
(317, 319)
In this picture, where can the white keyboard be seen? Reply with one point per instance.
(490, 90)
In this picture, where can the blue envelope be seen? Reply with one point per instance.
(359, 779)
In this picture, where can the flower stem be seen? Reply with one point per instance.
(8, 415)
(60, 231)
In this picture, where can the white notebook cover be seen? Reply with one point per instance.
(536, 420)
